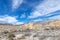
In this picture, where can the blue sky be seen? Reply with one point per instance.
(23, 11)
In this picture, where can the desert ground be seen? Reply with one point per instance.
(47, 30)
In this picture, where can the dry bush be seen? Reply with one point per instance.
(5, 32)
(11, 36)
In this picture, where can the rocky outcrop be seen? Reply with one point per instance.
(32, 26)
(42, 25)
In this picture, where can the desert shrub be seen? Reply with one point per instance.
(35, 36)
(11, 36)
(52, 28)
(26, 30)
(5, 32)
(46, 29)
(27, 34)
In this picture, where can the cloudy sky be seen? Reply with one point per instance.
(23, 11)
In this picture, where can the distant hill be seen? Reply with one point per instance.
(46, 25)
(42, 25)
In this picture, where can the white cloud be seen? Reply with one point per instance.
(16, 4)
(10, 20)
(55, 17)
(36, 20)
(46, 7)
(18, 23)
(34, 15)
(23, 15)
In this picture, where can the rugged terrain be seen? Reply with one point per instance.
(47, 30)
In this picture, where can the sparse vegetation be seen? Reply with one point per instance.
(11, 36)
(5, 32)
(28, 31)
